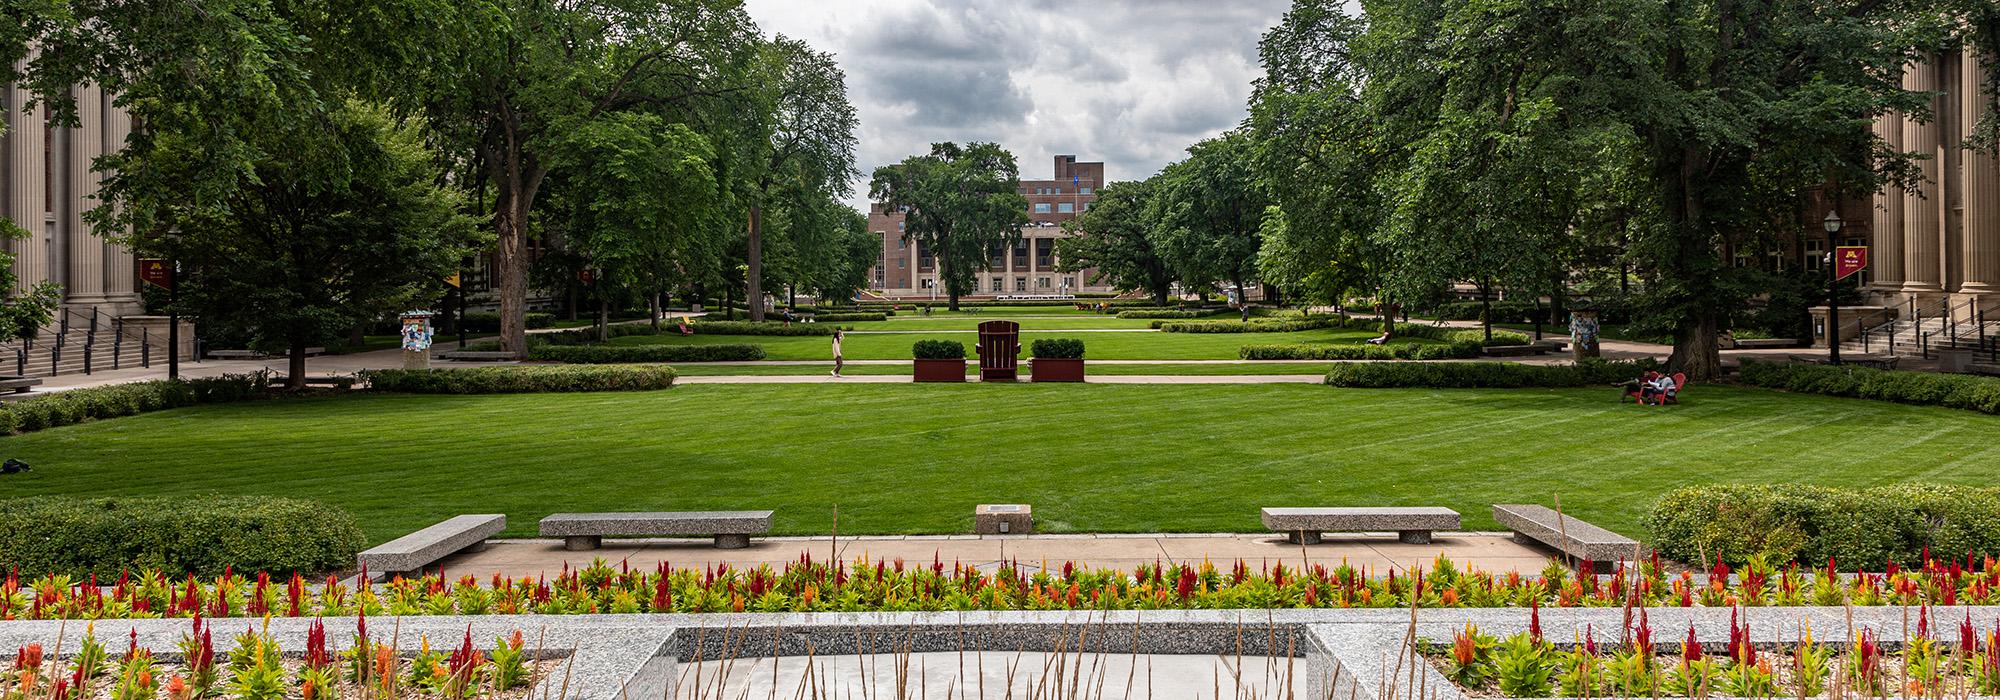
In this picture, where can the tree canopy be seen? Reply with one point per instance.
(961, 203)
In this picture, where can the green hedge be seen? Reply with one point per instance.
(111, 401)
(1858, 528)
(1168, 313)
(489, 321)
(1922, 388)
(630, 354)
(1255, 326)
(938, 350)
(521, 379)
(201, 535)
(1395, 351)
(705, 327)
(1483, 375)
(848, 317)
(1503, 311)
(1057, 348)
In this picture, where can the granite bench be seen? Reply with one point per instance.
(19, 385)
(238, 355)
(1533, 523)
(414, 551)
(1412, 524)
(584, 531)
(336, 381)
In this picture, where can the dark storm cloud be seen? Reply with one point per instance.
(1131, 82)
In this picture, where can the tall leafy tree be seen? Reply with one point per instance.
(530, 72)
(960, 202)
(1210, 209)
(643, 194)
(806, 144)
(344, 220)
(1116, 236)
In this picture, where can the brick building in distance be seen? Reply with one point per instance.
(1028, 269)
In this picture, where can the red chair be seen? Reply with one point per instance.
(1637, 393)
(999, 351)
(1673, 397)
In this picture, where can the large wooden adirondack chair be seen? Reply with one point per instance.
(999, 351)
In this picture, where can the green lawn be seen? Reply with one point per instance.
(1101, 346)
(910, 458)
(968, 323)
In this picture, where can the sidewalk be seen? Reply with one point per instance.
(1381, 552)
(1093, 379)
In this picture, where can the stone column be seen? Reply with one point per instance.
(85, 281)
(1886, 242)
(1980, 242)
(27, 189)
(121, 270)
(1923, 221)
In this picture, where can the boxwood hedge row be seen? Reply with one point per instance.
(1857, 528)
(631, 354)
(521, 379)
(201, 535)
(1922, 388)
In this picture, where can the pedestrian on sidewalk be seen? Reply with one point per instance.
(838, 362)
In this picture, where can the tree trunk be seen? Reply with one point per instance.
(603, 318)
(944, 278)
(510, 253)
(1273, 295)
(570, 306)
(358, 335)
(1160, 294)
(1486, 308)
(296, 366)
(753, 279)
(728, 303)
(656, 308)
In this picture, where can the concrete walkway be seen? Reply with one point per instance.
(1380, 552)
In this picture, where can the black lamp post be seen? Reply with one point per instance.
(1833, 223)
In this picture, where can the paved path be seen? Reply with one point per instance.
(1025, 330)
(1494, 552)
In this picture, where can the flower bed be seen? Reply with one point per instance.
(256, 668)
(1636, 664)
(878, 586)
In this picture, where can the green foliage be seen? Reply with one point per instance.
(938, 350)
(1959, 391)
(22, 314)
(1503, 311)
(1255, 325)
(114, 400)
(80, 536)
(1056, 348)
(960, 204)
(521, 379)
(1210, 209)
(1812, 524)
(626, 354)
(1174, 314)
(345, 221)
(1523, 667)
(1115, 236)
(1482, 375)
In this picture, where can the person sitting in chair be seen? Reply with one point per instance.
(1659, 389)
(1637, 388)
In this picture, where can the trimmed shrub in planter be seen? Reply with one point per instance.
(638, 354)
(939, 360)
(1056, 360)
(112, 401)
(1482, 375)
(521, 379)
(202, 535)
(1859, 528)
(1922, 388)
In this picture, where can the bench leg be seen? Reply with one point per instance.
(1414, 536)
(581, 543)
(732, 541)
(1302, 537)
(475, 547)
(1525, 540)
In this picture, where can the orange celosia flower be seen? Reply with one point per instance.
(515, 641)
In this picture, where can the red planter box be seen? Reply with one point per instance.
(941, 370)
(1052, 370)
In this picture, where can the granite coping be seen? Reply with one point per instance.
(1573, 536)
(1348, 653)
(1362, 518)
(736, 522)
(413, 551)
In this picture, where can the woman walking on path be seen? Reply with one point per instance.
(838, 363)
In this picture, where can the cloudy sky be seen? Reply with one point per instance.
(1128, 82)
